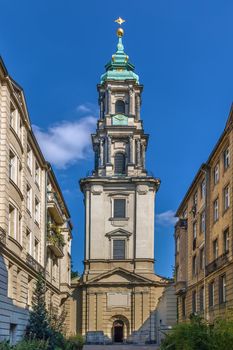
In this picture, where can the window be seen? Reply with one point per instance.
(226, 158)
(29, 158)
(10, 291)
(203, 189)
(216, 215)
(215, 249)
(118, 249)
(119, 208)
(216, 174)
(12, 334)
(194, 301)
(222, 289)
(119, 163)
(178, 244)
(194, 265)
(201, 298)
(29, 242)
(202, 258)
(13, 118)
(195, 199)
(226, 240)
(120, 107)
(183, 307)
(12, 221)
(194, 230)
(37, 173)
(37, 210)
(226, 197)
(185, 214)
(13, 167)
(202, 222)
(29, 198)
(36, 249)
(211, 294)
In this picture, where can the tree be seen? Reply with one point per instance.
(38, 326)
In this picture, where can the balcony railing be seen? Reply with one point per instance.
(54, 206)
(2, 236)
(217, 263)
(55, 242)
(34, 264)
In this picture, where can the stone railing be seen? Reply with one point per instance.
(2, 236)
(217, 263)
(52, 198)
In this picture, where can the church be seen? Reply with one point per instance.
(119, 298)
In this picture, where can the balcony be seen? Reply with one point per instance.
(2, 236)
(34, 264)
(182, 223)
(180, 287)
(217, 263)
(55, 241)
(54, 207)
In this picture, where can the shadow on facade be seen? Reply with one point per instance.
(13, 316)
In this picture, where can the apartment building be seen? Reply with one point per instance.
(204, 236)
(35, 226)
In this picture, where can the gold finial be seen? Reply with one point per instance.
(120, 21)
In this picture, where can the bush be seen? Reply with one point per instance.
(5, 345)
(25, 345)
(198, 335)
(75, 342)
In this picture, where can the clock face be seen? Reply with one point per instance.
(119, 119)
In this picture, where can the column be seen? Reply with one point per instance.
(131, 95)
(96, 150)
(101, 152)
(138, 143)
(109, 101)
(101, 102)
(137, 102)
(131, 149)
(99, 312)
(143, 156)
(109, 148)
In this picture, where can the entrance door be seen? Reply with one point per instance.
(118, 331)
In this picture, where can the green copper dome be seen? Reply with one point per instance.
(119, 68)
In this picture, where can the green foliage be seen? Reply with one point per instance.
(198, 335)
(25, 345)
(75, 342)
(38, 327)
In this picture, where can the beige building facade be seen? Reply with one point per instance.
(118, 295)
(203, 234)
(35, 227)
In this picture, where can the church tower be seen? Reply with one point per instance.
(119, 289)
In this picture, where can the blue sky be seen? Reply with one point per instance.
(183, 53)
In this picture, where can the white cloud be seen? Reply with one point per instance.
(87, 108)
(63, 144)
(167, 218)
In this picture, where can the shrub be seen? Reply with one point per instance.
(75, 342)
(31, 345)
(5, 345)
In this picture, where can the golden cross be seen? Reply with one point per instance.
(119, 20)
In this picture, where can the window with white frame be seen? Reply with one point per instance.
(12, 220)
(216, 209)
(13, 118)
(215, 248)
(37, 173)
(226, 240)
(202, 258)
(226, 158)
(10, 292)
(119, 208)
(29, 158)
(194, 230)
(29, 198)
(37, 210)
(226, 197)
(195, 197)
(119, 249)
(202, 222)
(203, 189)
(216, 174)
(222, 289)
(36, 249)
(211, 294)
(13, 167)
(29, 241)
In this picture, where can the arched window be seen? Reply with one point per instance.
(120, 107)
(119, 163)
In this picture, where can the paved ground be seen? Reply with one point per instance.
(120, 347)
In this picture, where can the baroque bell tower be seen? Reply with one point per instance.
(119, 200)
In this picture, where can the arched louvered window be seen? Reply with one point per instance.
(120, 107)
(119, 163)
